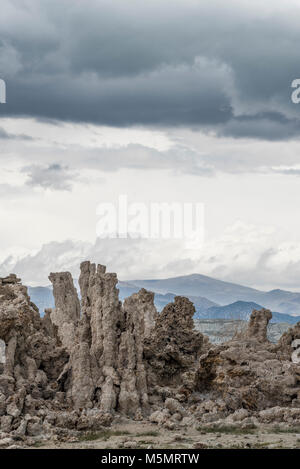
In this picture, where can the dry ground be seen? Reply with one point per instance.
(146, 435)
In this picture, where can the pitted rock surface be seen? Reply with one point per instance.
(85, 364)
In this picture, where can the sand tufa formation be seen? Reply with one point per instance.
(88, 362)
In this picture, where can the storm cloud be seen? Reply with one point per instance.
(226, 67)
(163, 101)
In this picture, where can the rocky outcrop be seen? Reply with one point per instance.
(90, 378)
(106, 367)
(171, 353)
(122, 354)
(33, 357)
(101, 309)
(173, 346)
(84, 364)
(11, 279)
(249, 372)
(66, 314)
(258, 325)
(139, 320)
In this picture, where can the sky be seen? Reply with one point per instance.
(164, 101)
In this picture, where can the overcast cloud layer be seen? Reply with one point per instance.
(227, 66)
(163, 101)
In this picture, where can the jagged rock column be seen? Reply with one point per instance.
(258, 325)
(76, 378)
(101, 308)
(33, 357)
(173, 346)
(139, 319)
(106, 367)
(67, 307)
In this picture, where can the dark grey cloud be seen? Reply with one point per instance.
(54, 177)
(211, 64)
(264, 125)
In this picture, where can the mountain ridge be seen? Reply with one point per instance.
(205, 307)
(222, 292)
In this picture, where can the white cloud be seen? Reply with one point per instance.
(244, 254)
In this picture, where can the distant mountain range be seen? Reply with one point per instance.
(161, 300)
(223, 293)
(213, 299)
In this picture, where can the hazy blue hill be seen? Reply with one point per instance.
(238, 310)
(283, 301)
(201, 304)
(223, 293)
(210, 296)
(200, 285)
(161, 300)
(241, 310)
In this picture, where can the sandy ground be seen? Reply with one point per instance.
(148, 436)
